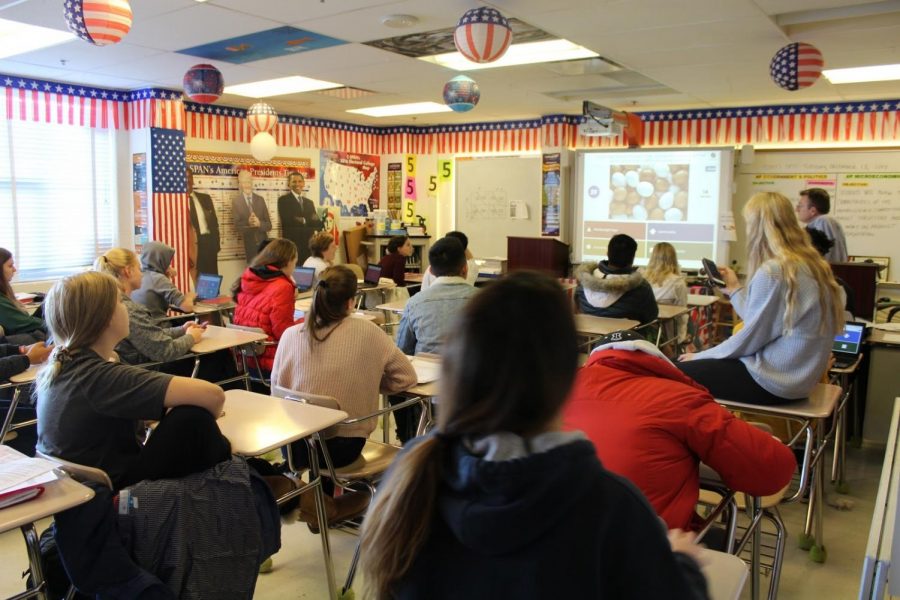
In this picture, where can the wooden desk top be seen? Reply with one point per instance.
(884, 337)
(726, 574)
(591, 325)
(58, 496)
(204, 309)
(28, 375)
(303, 304)
(701, 300)
(395, 307)
(256, 424)
(819, 405)
(669, 311)
(217, 338)
(413, 277)
(431, 388)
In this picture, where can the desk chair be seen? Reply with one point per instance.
(252, 354)
(79, 472)
(372, 463)
(8, 425)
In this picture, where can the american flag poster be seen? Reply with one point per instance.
(170, 204)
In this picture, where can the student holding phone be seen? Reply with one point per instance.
(791, 309)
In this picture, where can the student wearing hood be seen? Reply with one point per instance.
(264, 294)
(157, 291)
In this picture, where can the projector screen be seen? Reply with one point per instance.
(673, 196)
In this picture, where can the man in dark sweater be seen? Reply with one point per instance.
(613, 287)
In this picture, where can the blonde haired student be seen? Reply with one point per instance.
(498, 501)
(663, 273)
(791, 308)
(89, 408)
(146, 341)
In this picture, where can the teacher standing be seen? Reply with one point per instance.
(299, 219)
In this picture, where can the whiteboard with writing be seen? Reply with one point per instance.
(864, 186)
(498, 197)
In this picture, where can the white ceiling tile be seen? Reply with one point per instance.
(181, 29)
(81, 56)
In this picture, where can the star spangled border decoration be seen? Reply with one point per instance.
(84, 91)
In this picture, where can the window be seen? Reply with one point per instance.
(57, 196)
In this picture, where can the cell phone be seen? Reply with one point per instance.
(712, 273)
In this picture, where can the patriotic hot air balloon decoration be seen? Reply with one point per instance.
(461, 93)
(482, 35)
(796, 66)
(99, 22)
(262, 117)
(203, 84)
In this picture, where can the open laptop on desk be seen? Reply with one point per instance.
(371, 280)
(208, 286)
(847, 344)
(303, 278)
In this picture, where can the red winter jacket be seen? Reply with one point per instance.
(653, 425)
(265, 300)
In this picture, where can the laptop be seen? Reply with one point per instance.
(372, 277)
(304, 277)
(847, 344)
(208, 286)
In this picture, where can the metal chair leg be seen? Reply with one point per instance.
(778, 558)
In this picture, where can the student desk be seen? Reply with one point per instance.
(725, 574)
(884, 364)
(396, 307)
(217, 338)
(59, 495)
(846, 378)
(592, 327)
(256, 424)
(817, 409)
(667, 313)
(16, 383)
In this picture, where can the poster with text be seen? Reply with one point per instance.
(349, 183)
(139, 197)
(217, 175)
(550, 179)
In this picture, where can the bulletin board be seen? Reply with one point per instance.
(864, 186)
(497, 197)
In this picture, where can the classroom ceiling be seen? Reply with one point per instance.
(663, 54)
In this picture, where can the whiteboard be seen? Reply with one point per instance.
(865, 194)
(490, 192)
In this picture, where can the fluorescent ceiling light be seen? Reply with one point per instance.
(19, 38)
(396, 110)
(863, 74)
(278, 87)
(517, 54)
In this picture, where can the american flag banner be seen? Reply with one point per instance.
(25, 99)
(170, 221)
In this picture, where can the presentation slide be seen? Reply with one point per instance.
(672, 196)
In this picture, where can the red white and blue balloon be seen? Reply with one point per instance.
(461, 93)
(796, 66)
(262, 117)
(203, 83)
(99, 22)
(482, 35)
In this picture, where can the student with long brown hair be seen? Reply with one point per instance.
(265, 293)
(17, 324)
(499, 502)
(352, 360)
(791, 307)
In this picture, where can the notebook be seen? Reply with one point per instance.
(847, 344)
(372, 277)
(208, 286)
(304, 277)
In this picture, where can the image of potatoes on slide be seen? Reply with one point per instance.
(655, 192)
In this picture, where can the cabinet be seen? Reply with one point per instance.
(416, 263)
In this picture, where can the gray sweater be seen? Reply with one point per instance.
(787, 363)
(147, 341)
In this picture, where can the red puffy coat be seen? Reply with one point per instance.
(653, 425)
(266, 301)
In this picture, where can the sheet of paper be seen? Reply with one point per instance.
(16, 469)
(426, 370)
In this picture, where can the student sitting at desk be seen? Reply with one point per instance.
(791, 308)
(393, 264)
(322, 250)
(498, 501)
(352, 360)
(653, 425)
(89, 408)
(264, 295)
(157, 291)
(663, 273)
(16, 359)
(146, 341)
(613, 287)
(472, 267)
(15, 320)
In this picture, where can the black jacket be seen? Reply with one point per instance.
(623, 293)
(11, 362)
(550, 525)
